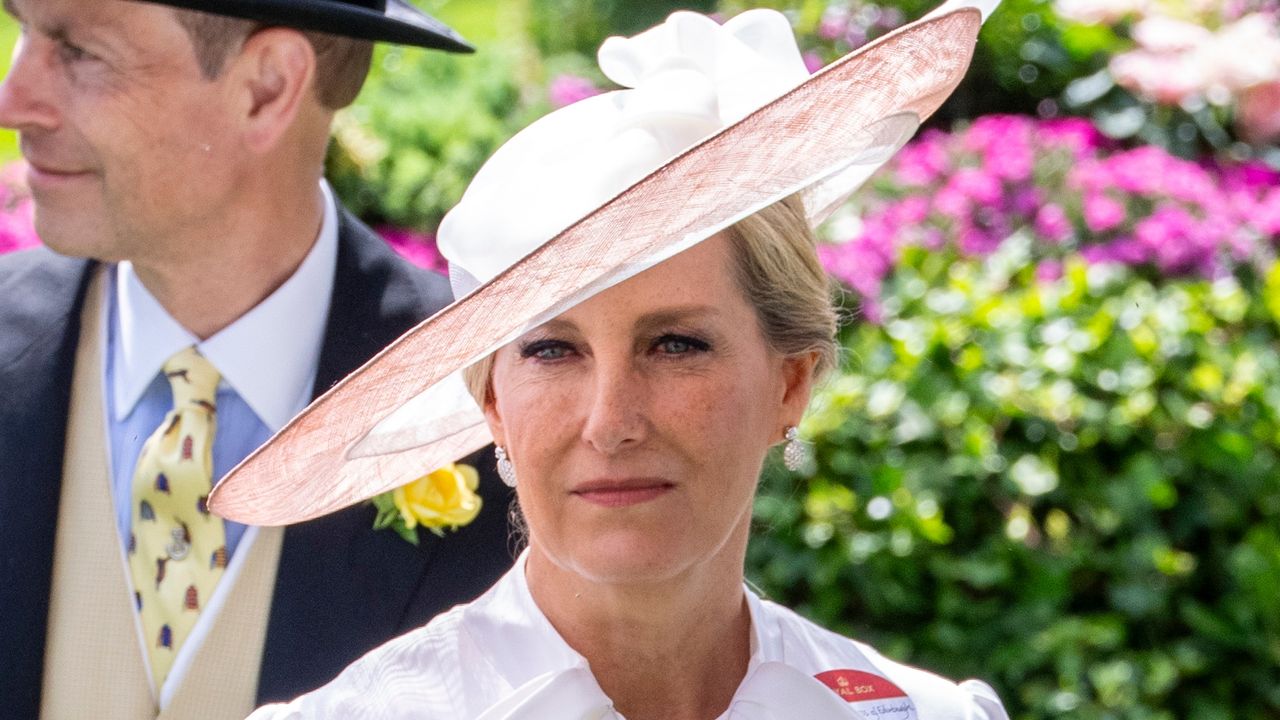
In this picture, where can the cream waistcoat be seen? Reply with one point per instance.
(93, 664)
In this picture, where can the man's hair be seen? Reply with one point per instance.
(341, 63)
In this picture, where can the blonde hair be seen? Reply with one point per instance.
(777, 269)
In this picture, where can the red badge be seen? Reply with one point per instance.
(858, 686)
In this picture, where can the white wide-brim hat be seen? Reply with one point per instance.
(716, 123)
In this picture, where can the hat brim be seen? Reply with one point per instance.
(400, 23)
(824, 138)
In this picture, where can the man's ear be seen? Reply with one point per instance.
(274, 75)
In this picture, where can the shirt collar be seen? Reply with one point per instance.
(290, 323)
(507, 617)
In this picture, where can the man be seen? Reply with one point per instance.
(176, 160)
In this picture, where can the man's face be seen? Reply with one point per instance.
(128, 143)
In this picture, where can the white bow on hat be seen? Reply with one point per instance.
(684, 80)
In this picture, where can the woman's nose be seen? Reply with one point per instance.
(26, 99)
(616, 414)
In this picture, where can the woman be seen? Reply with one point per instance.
(633, 387)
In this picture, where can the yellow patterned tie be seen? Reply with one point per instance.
(177, 550)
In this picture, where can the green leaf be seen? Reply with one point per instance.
(409, 535)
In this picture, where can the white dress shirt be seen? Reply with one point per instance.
(499, 658)
(268, 359)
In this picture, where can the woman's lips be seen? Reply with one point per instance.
(622, 493)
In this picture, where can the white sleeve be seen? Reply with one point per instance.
(986, 705)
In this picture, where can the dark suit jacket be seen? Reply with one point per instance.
(341, 588)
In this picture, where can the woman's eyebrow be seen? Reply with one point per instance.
(667, 317)
(647, 323)
(556, 326)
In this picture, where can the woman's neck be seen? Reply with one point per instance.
(675, 650)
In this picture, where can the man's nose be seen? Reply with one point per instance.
(26, 94)
(616, 416)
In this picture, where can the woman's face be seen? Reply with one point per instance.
(638, 421)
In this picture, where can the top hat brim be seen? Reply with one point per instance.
(400, 23)
(823, 139)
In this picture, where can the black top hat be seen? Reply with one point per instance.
(393, 21)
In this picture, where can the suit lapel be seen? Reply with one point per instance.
(377, 297)
(39, 327)
(341, 589)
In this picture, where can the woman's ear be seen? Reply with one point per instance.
(492, 415)
(798, 377)
(274, 75)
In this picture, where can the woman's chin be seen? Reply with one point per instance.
(621, 557)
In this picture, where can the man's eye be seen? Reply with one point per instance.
(72, 53)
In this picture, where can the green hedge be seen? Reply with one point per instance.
(1070, 488)
(425, 122)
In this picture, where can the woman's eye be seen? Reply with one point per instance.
(546, 350)
(680, 345)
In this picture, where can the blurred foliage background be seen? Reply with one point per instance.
(1051, 456)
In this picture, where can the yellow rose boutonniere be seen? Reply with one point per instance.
(442, 499)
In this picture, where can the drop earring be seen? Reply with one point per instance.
(798, 454)
(506, 470)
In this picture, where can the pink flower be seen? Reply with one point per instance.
(17, 211)
(1258, 113)
(1164, 34)
(569, 89)
(872, 311)
(1151, 171)
(1049, 271)
(1004, 141)
(1265, 215)
(953, 203)
(977, 185)
(1164, 78)
(17, 232)
(1077, 134)
(923, 161)
(891, 17)
(834, 24)
(1098, 11)
(813, 61)
(991, 131)
(1247, 177)
(1178, 60)
(909, 211)
(415, 247)
(1102, 213)
(978, 241)
(954, 193)
(1123, 251)
(1171, 236)
(1244, 53)
(1026, 201)
(1052, 223)
(856, 36)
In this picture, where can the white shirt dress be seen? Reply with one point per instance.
(499, 658)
